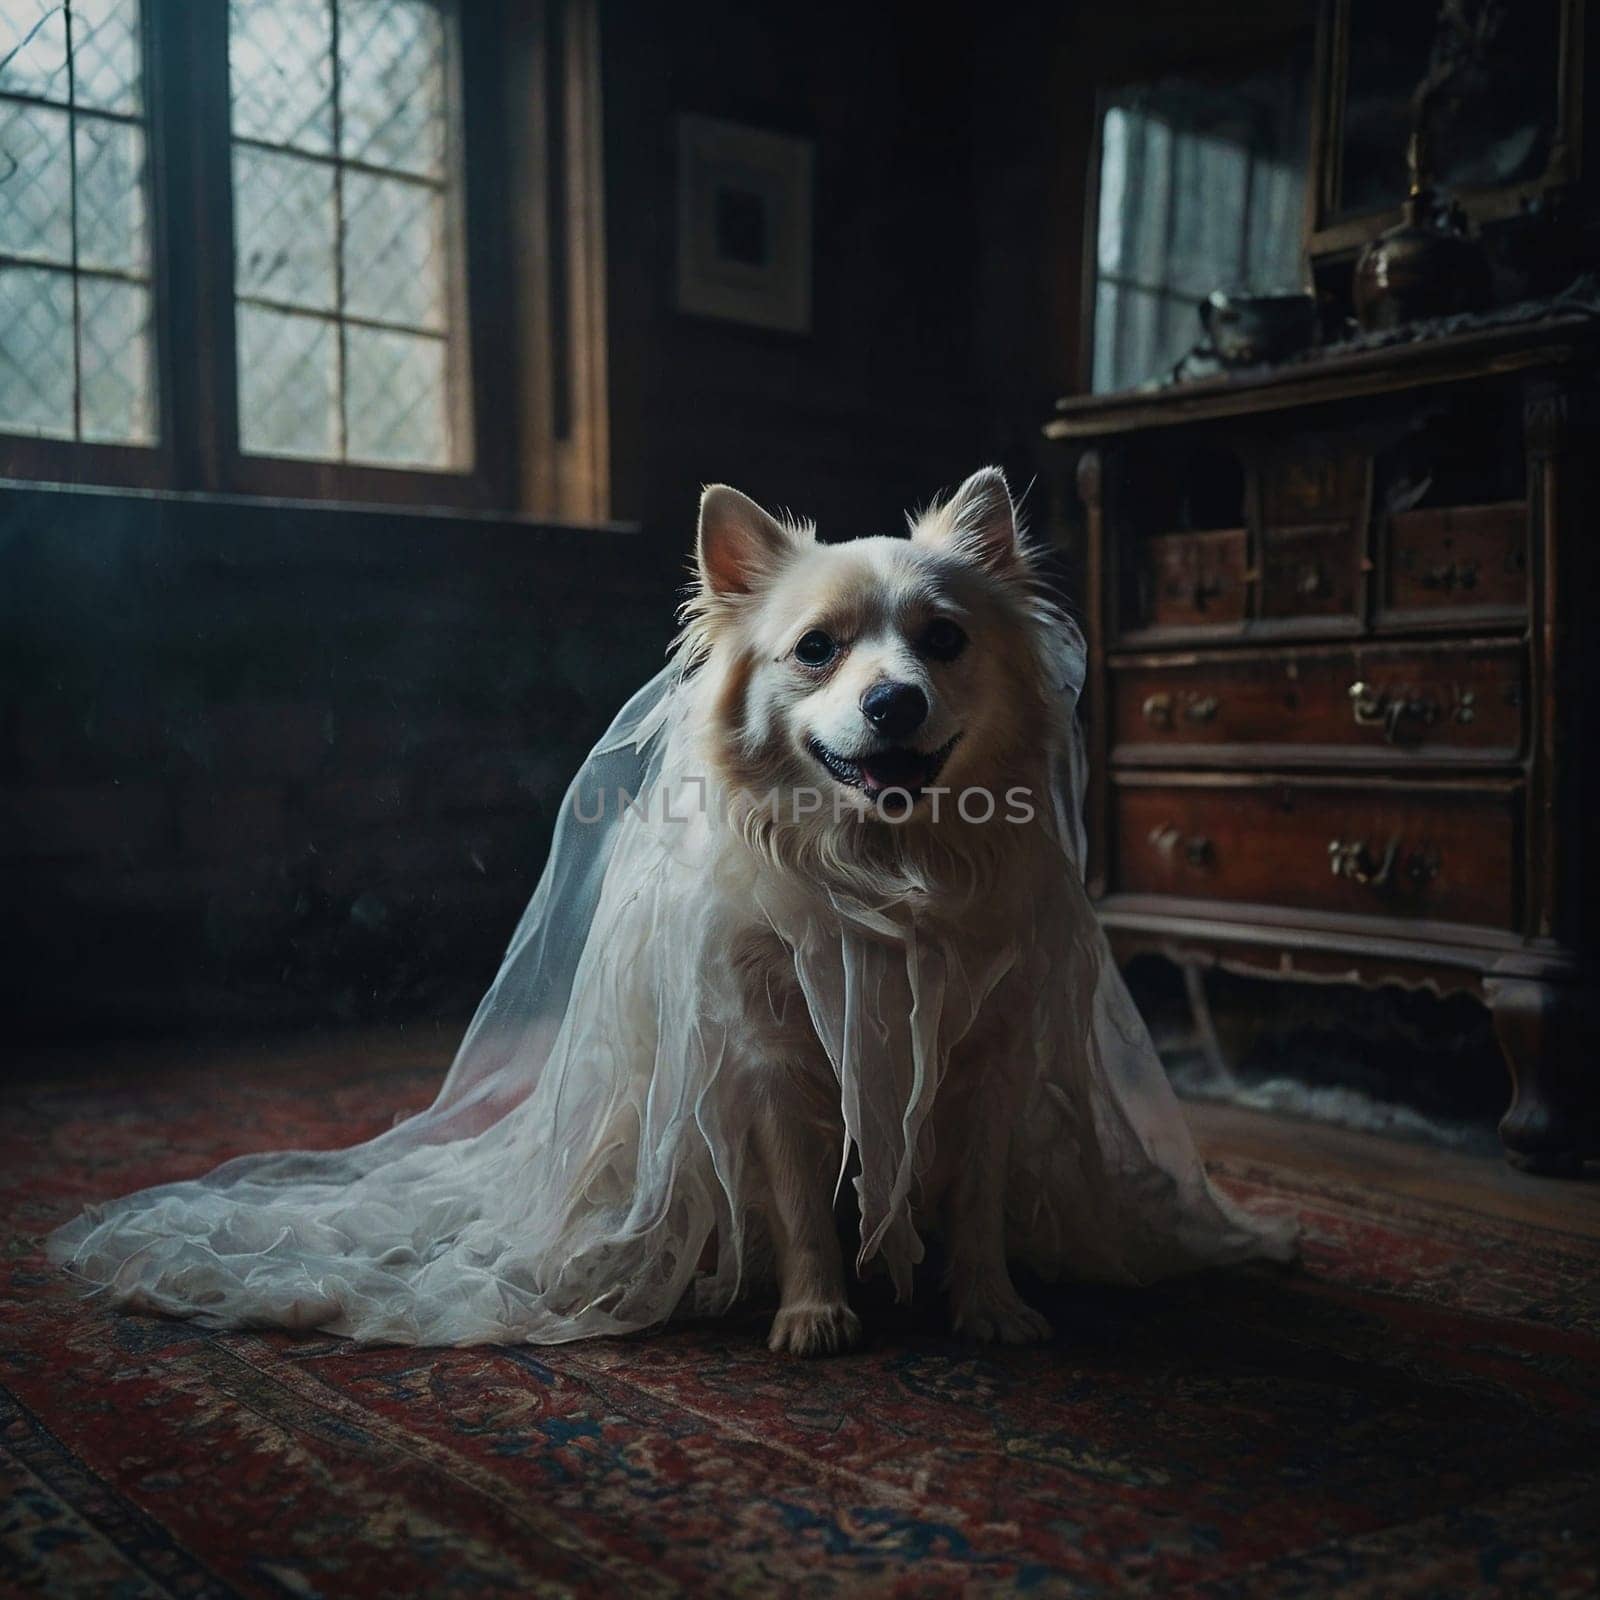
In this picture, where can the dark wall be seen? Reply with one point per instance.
(876, 407)
(264, 763)
(952, 152)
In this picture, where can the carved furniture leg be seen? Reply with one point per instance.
(1548, 1127)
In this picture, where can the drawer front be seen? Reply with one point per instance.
(1445, 703)
(1312, 571)
(1189, 580)
(1433, 853)
(1458, 557)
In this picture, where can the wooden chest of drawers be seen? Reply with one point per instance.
(1340, 669)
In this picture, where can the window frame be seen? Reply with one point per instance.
(1169, 295)
(142, 466)
(187, 116)
(1289, 41)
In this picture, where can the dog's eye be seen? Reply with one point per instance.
(815, 649)
(942, 639)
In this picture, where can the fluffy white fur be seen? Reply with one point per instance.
(763, 586)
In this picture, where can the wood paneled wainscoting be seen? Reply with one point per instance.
(1341, 672)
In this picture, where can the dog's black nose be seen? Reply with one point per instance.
(895, 709)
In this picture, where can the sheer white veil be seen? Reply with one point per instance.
(583, 1168)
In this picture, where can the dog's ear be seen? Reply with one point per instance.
(740, 547)
(978, 521)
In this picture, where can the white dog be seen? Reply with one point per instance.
(905, 678)
(814, 912)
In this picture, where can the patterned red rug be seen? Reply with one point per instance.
(1416, 1412)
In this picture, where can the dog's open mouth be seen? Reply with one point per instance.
(895, 767)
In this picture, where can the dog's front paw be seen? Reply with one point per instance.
(814, 1330)
(994, 1313)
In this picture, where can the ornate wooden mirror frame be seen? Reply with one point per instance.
(1333, 230)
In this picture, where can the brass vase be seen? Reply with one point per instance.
(1425, 266)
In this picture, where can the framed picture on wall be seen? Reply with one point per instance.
(744, 224)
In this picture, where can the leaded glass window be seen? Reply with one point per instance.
(345, 265)
(1202, 187)
(76, 332)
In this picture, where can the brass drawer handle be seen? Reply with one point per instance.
(1157, 709)
(1451, 575)
(1353, 861)
(1391, 709)
(1198, 850)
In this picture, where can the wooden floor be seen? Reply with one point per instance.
(1476, 1183)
